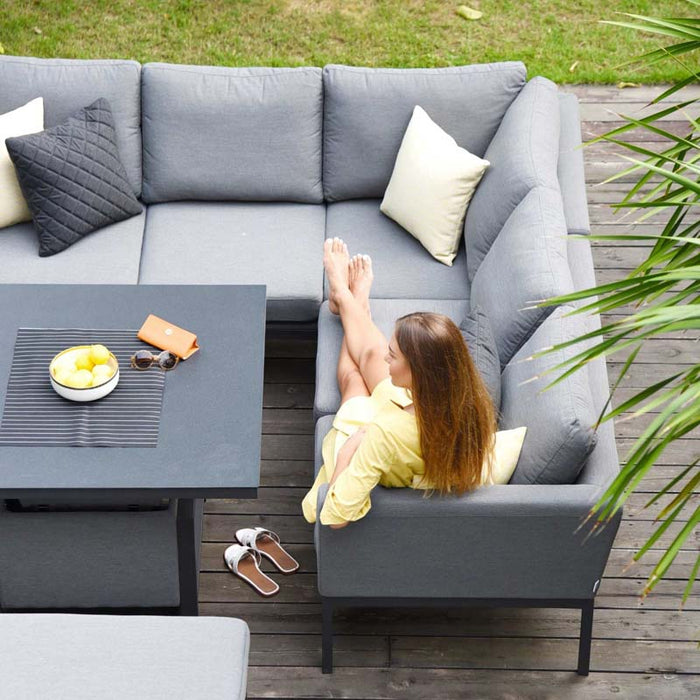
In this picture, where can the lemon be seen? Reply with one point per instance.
(99, 354)
(64, 365)
(79, 380)
(101, 373)
(63, 376)
(84, 360)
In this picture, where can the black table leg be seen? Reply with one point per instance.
(187, 557)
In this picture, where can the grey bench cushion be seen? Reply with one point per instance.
(367, 110)
(276, 244)
(67, 85)
(113, 657)
(110, 255)
(384, 314)
(220, 133)
(402, 267)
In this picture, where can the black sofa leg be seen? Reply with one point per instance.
(327, 636)
(584, 643)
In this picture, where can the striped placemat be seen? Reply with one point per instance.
(35, 415)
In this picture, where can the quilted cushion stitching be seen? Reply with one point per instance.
(55, 184)
(87, 141)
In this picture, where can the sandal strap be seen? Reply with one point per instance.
(239, 552)
(250, 536)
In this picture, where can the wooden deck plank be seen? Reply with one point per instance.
(301, 588)
(608, 623)
(458, 684)
(638, 656)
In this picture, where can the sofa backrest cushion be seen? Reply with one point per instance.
(67, 85)
(523, 154)
(477, 334)
(367, 110)
(526, 263)
(216, 133)
(559, 420)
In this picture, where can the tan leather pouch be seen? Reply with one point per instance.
(168, 336)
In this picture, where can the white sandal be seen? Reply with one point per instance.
(243, 561)
(268, 544)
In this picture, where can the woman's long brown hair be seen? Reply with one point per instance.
(455, 413)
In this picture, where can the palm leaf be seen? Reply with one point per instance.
(664, 290)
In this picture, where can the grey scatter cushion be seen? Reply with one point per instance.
(559, 420)
(480, 340)
(72, 177)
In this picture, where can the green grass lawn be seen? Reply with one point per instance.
(550, 36)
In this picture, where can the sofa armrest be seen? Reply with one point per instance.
(511, 541)
(570, 171)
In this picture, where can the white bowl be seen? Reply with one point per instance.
(89, 393)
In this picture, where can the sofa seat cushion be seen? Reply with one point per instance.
(367, 110)
(123, 656)
(277, 244)
(110, 255)
(384, 314)
(69, 84)
(403, 269)
(219, 133)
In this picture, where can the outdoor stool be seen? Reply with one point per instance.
(122, 656)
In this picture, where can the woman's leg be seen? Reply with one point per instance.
(365, 343)
(350, 380)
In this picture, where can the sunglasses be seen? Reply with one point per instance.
(144, 359)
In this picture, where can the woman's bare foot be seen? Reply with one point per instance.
(335, 262)
(361, 277)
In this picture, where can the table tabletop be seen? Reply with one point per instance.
(211, 419)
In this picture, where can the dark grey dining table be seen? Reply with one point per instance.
(211, 419)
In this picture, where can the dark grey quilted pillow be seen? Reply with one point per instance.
(477, 333)
(72, 178)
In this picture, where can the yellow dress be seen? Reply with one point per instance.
(389, 454)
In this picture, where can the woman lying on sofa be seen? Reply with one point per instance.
(414, 411)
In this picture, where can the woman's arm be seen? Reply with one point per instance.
(348, 498)
(345, 454)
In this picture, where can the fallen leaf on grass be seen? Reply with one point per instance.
(469, 13)
(572, 67)
(623, 84)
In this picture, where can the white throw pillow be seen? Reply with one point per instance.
(431, 185)
(506, 452)
(28, 119)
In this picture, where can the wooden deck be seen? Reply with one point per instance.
(639, 651)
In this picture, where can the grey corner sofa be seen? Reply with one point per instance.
(244, 173)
